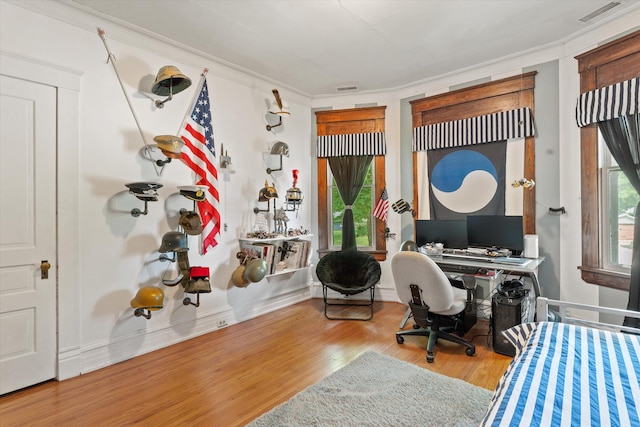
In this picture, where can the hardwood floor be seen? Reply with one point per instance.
(231, 376)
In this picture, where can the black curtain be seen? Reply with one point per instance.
(349, 173)
(622, 138)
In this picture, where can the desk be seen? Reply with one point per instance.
(467, 265)
(461, 264)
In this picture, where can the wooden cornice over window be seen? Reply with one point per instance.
(342, 122)
(605, 65)
(354, 120)
(506, 94)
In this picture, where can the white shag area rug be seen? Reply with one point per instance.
(378, 390)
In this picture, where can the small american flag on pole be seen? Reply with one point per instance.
(199, 155)
(382, 207)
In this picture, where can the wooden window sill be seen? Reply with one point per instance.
(379, 255)
(607, 278)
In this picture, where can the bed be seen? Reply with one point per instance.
(570, 373)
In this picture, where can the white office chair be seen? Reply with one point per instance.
(435, 304)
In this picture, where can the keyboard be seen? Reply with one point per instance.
(494, 259)
(468, 256)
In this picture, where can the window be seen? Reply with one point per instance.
(362, 214)
(370, 231)
(618, 201)
(601, 188)
(326, 209)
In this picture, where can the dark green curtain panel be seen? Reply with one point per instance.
(349, 173)
(622, 138)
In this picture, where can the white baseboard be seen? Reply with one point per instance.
(69, 362)
(103, 354)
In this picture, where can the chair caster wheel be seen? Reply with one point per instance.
(186, 301)
(430, 358)
(416, 326)
(399, 339)
(470, 351)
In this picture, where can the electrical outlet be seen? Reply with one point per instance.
(222, 323)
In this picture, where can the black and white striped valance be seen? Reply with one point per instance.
(608, 103)
(354, 144)
(474, 130)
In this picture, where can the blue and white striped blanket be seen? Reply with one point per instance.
(568, 375)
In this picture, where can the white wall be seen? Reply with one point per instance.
(116, 254)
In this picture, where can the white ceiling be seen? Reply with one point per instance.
(317, 46)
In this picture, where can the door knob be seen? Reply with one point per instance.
(44, 269)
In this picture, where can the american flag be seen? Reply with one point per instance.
(199, 155)
(382, 207)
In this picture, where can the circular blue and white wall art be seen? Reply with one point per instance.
(464, 181)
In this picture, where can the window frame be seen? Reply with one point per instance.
(608, 64)
(354, 120)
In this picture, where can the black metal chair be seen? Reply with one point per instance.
(348, 272)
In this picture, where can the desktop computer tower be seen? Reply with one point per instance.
(505, 313)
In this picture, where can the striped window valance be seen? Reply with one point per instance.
(355, 144)
(608, 103)
(474, 130)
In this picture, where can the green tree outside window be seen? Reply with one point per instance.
(362, 213)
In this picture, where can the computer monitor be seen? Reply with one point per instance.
(453, 233)
(499, 231)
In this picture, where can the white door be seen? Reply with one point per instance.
(27, 233)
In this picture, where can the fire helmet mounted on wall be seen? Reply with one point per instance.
(267, 193)
(148, 297)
